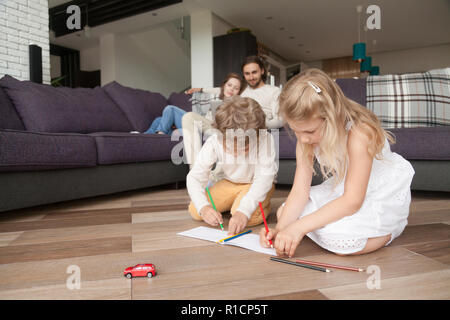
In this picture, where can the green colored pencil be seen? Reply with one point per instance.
(214, 206)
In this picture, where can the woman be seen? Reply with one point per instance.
(231, 86)
(172, 115)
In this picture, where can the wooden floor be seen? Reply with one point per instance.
(104, 235)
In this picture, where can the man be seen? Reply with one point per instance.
(266, 95)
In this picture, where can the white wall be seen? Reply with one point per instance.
(407, 61)
(413, 60)
(220, 26)
(156, 59)
(23, 22)
(107, 51)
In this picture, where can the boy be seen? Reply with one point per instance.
(244, 149)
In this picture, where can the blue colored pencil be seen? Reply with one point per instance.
(235, 236)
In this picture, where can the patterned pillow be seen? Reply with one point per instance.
(411, 100)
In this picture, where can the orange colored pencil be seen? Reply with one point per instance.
(265, 222)
(327, 265)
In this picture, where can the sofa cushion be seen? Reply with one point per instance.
(287, 144)
(411, 100)
(28, 151)
(9, 119)
(354, 89)
(411, 143)
(44, 108)
(140, 106)
(181, 100)
(127, 147)
(422, 143)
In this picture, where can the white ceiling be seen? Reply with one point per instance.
(305, 30)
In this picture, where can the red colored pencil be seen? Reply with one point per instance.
(327, 265)
(265, 222)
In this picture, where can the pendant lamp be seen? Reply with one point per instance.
(359, 48)
(366, 65)
(375, 70)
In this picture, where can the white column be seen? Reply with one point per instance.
(202, 72)
(108, 58)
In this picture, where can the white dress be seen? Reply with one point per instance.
(384, 211)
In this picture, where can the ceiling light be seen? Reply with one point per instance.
(366, 65)
(359, 48)
(375, 70)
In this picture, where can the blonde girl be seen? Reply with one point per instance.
(364, 202)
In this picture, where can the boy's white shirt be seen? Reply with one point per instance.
(267, 96)
(260, 174)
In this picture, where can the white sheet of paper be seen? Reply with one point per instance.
(248, 241)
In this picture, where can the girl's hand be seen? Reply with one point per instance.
(264, 237)
(211, 216)
(237, 223)
(288, 239)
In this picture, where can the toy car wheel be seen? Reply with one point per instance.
(149, 275)
(129, 276)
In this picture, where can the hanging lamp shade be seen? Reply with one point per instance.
(359, 51)
(375, 70)
(366, 65)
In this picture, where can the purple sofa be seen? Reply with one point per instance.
(60, 144)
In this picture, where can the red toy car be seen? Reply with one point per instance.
(140, 270)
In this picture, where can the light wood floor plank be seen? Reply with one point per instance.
(60, 250)
(106, 234)
(216, 276)
(6, 238)
(110, 289)
(437, 250)
(423, 233)
(431, 285)
(73, 234)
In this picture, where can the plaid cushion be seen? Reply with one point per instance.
(410, 100)
(205, 104)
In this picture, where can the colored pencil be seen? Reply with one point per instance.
(320, 264)
(214, 206)
(265, 222)
(235, 236)
(300, 264)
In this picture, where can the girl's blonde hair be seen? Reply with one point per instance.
(312, 94)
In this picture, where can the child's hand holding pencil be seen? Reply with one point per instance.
(214, 217)
(266, 239)
(211, 216)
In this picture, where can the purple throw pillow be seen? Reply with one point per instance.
(354, 89)
(9, 119)
(44, 108)
(140, 106)
(181, 100)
